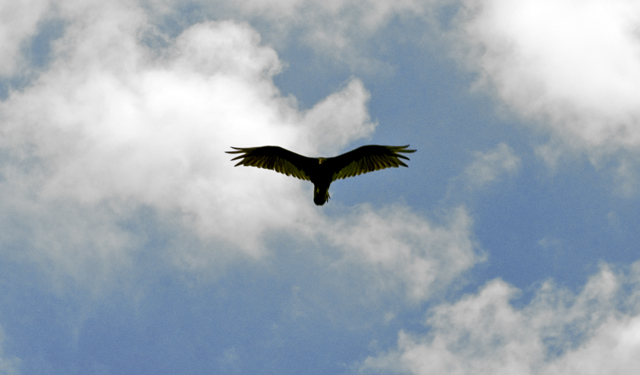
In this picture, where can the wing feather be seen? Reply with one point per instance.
(368, 159)
(274, 158)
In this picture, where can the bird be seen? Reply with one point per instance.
(322, 171)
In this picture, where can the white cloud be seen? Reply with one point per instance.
(594, 332)
(113, 126)
(18, 22)
(486, 168)
(490, 166)
(337, 29)
(401, 250)
(325, 16)
(573, 65)
(333, 125)
(70, 242)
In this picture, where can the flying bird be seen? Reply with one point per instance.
(322, 171)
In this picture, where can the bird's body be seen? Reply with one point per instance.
(322, 171)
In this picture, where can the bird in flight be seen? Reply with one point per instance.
(322, 171)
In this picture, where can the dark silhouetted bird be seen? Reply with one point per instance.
(322, 171)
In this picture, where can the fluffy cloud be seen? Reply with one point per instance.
(574, 66)
(487, 167)
(114, 127)
(337, 29)
(594, 332)
(333, 125)
(18, 22)
(401, 250)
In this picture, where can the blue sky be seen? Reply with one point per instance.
(130, 244)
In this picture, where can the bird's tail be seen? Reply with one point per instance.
(320, 195)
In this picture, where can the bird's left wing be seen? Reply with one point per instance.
(275, 158)
(368, 159)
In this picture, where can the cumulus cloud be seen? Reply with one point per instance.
(573, 66)
(333, 125)
(18, 22)
(337, 29)
(113, 127)
(68, 240)
(594, 332)
(112, 124)
(403, 251)
(488, 167)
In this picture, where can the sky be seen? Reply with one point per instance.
(129, 243)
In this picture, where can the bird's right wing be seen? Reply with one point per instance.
(275, 158)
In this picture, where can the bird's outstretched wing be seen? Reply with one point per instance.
(367, 159)
(275, 158)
